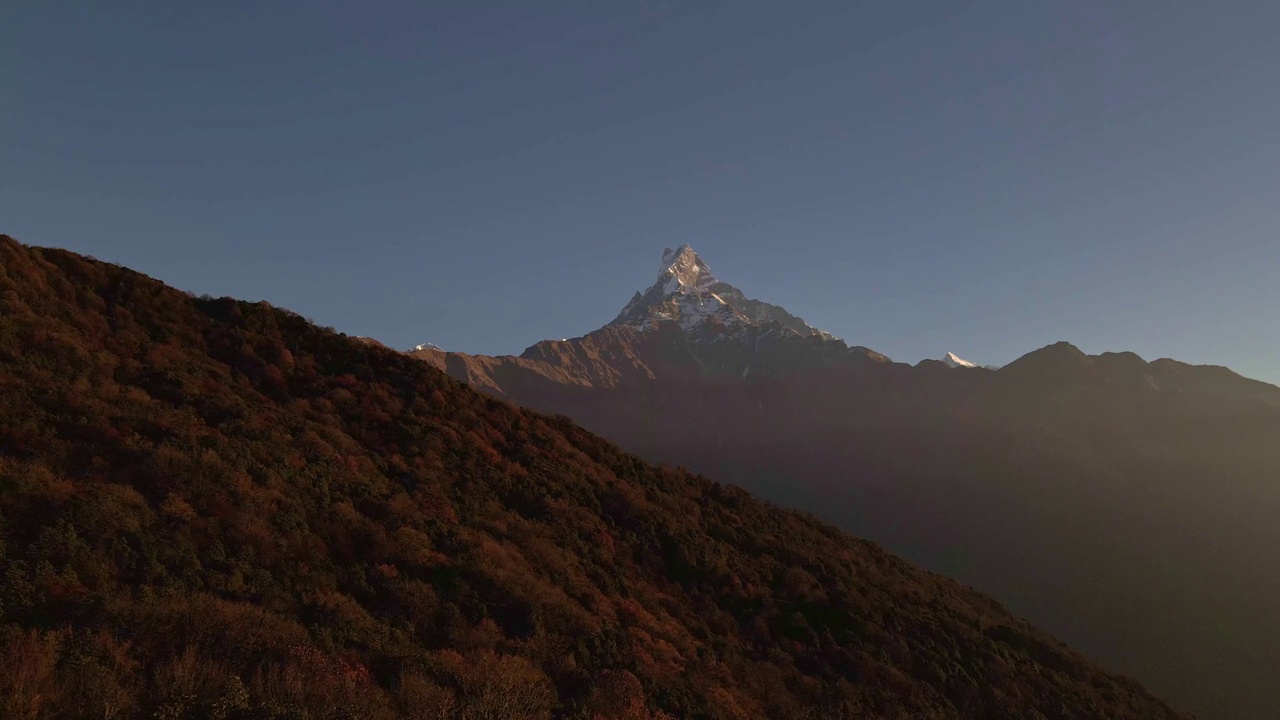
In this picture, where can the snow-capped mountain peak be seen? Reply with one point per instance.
(687, 293)
(956, 361)
(428, 346)
(684, 272)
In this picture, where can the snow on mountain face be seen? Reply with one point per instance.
(684, 272)
(956, 361)
(428, 346)
(688, 294)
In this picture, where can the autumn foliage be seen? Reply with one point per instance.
(212, 508)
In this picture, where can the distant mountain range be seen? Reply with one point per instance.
(1129, 506)
(215, 509)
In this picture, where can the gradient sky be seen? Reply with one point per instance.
(916, 177)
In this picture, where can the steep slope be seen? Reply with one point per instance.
(1125, 505)
(211, 507)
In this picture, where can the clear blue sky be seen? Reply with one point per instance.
(916, 177)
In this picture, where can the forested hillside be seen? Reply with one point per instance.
(212, 508)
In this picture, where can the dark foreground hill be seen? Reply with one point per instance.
(212, 508)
